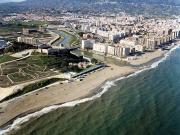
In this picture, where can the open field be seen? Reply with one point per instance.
(32, 68)
(36, 66)
(32, 23)
(5, 58)
(13, 27)
(4, 81)
(8, 30)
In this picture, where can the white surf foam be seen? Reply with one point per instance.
(19, 121)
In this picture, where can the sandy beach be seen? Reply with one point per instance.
(150, 56)
(62, 93)
(147, 57)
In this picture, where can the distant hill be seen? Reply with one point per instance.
(165, 7)
(55, 3)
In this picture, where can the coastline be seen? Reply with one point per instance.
(117, 73)
(61, 93)
(93, 92)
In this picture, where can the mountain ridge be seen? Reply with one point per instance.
(50, 2)
(130, 6)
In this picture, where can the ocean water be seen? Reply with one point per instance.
(147, 103)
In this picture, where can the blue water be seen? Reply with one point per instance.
(146, 104)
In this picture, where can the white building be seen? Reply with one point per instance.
(139, 48)
(93, 30)
(103, 33)
(122, 51)
(100, 47)
(128, 42)
(27, 40)
(117, 50)
(111, 50)
(115, 35)
(85, 28)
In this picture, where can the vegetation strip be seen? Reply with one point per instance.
(6, 58)
(32, 87)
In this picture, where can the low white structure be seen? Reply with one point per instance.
(27, 40)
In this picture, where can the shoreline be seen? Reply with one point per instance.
(93, 91)
(68, 95)
(148, 63)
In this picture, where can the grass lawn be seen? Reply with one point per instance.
(28, 24)
(73, 40)
(4, 81)
(9, 29)
(35, 67)
(16, 26)
(5, 30)
(6, 58)
(20, 77)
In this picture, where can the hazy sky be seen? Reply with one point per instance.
(4, 1)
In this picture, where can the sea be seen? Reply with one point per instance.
(144, 103)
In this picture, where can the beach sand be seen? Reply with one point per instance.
(60, 93)
(66, 92)
(148, 56)
(6, 91)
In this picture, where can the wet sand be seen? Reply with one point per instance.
(60, 93)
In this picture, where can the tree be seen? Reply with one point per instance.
(94, 61)
(80, 34)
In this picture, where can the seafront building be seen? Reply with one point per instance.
(113, 50)
(120, 41)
